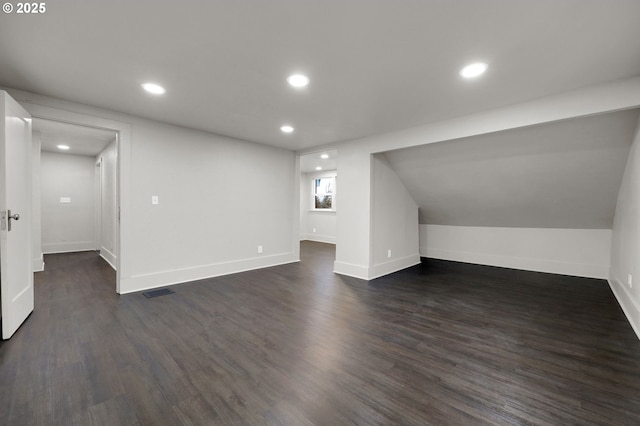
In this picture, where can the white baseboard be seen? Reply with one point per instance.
(392, 266)
(53, 248)
(109, 257)
(329, 239)
(177, 276)
(376, 271)
(527, 264)
(629, 306)
(38, 263)
(351, 270)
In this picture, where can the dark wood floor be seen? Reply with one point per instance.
(440, 343)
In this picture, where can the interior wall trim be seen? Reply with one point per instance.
(178, 276)
(628, 304)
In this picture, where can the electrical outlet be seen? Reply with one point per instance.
(389, 253)
(154, 200)
(314, 230)
(630, 280)
(259, 249)
(65, 200)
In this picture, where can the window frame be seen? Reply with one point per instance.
(316, 176)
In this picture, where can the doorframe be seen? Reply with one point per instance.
(123, 170)
(98, 205)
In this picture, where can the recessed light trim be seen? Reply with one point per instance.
(286, 129)
(154, 89)
(63, 147)
(298, 80)
(318, 168)
(473, 70)
(324, 156)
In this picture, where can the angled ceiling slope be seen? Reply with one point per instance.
(559, 175)
(375, 65)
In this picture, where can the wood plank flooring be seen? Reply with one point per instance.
(440, 343)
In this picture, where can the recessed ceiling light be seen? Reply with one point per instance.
(473, 70)
(298, 80)
(63, 147)
(153, 88)
(318, 168)
(286, 129)
(324, 156)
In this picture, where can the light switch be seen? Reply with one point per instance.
(154, 199)
(65, 200)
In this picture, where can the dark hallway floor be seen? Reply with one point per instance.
(439, 343)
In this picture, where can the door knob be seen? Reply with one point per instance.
(15, 216)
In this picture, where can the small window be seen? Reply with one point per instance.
(324, 192)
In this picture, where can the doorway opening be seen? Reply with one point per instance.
(319, 202)
(75, 190)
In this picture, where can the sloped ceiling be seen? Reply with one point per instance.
(559, 175)
(375, 65)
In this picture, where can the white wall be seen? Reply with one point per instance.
(353, 227)
(36, 205)
(316, 225)
(219, 198)
(625, 246)
(377, 214)
(354, 230)
(578, 252)
(147, 153)
(107, 203)
(394, 221)
(67, 227)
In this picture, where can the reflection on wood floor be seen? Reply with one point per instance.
(439, 343)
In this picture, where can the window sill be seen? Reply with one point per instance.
(322, 210)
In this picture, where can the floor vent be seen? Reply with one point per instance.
(156, 293)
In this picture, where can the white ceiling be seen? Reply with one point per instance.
(375, 65)
(309, 162)
(81, 140)
(559, 175)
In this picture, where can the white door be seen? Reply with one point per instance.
(16, 274)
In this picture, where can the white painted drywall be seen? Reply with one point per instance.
(394, 221)
(107, 203)
(36, 205)
(323, 222)
(140, 152)
(353, 237)
(625, 247)
(67, 227)
(556, 175)
(219, 198)
(579, 252)
(353, 226)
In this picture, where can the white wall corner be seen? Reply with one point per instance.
(329, 239)
(109, 257)
(351, 270)
(386, 268)
(68, 247)
(376, 271)
(629, 306)
(38, 263)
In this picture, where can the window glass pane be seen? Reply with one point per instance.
(323, 201)
(324, 186)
